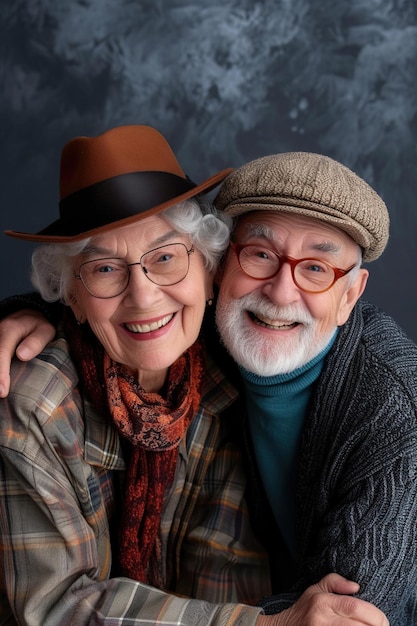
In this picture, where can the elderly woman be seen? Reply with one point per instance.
(120, 481)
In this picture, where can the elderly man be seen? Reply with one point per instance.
(329, 383)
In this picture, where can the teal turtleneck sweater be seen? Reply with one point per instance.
(276, 408)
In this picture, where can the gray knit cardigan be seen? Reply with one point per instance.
(356, 498)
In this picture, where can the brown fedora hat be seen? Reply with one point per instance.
(114, 179)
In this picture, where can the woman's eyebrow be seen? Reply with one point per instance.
(172, 234)
(97, 250)
(93, 250)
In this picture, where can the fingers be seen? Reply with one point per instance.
(25, 333)
(356, 611)
(34, 343)
(334, 583)
(322, 605)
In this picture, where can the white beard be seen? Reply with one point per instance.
(258, 353)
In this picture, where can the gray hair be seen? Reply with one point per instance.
(209, 231)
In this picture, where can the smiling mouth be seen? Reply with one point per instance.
(148, 328)
(273, 324)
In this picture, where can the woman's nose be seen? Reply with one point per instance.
(140, 289)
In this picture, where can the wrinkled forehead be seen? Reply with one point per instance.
(273, 225)
(148, 233)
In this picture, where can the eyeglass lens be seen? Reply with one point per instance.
(308, 274)
(109, 277)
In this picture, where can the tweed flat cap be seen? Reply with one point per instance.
(313, 185)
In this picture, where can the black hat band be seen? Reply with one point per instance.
(115, 199)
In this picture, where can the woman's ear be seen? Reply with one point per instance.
(72, 302)
(209, 285)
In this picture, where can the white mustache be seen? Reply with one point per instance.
(262, 307)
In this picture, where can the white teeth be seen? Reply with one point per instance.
(147, 328)
(273, 323)
(280, 326)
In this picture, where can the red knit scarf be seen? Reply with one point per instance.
(154, 426)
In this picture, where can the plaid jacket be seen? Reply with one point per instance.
(61, 477)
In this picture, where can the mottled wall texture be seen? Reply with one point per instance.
(226, 81)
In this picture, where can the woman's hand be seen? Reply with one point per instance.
(24, 333)
(322, 605)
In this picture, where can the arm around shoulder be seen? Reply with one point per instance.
(24, 331)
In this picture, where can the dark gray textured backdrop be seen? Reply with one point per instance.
(226, 81)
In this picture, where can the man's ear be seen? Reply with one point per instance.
(351, 296)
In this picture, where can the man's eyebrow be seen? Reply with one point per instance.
(263, 231)
(258, 230)
(326, 246)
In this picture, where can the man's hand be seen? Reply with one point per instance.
(321, 605)
(25, 333)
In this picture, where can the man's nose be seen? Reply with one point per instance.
(281, 288)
